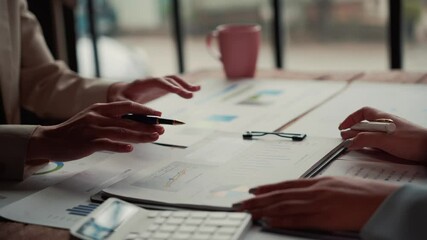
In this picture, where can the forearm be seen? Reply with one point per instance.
(53, 91)
(48, 87)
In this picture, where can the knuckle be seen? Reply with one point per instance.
(367, 109)
(321, 191)
(90, 117)
(128, 104)
(96, 106)
(122, 131)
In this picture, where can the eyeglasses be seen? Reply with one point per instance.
(249, 135)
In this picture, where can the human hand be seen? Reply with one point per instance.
(408, 141)
(145, 90)
(97, 128)
(325, 203)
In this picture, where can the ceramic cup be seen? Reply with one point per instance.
(238, 48)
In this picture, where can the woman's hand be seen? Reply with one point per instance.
(408, 141)
(97, 128)
(145, 90)
(325, 203)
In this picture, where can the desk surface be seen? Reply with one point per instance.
(13, 230)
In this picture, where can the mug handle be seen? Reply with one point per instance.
(213, 52)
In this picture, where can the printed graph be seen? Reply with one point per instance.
(221, 118)
(230, 191)
(263, 97)
(49, 168)
(173, 177)
(82, 209)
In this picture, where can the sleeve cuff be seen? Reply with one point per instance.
(14, 140)
(401, 216)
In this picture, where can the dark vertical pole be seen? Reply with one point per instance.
(70, 36)
(395, 27)
(178, 34)
(94, 36)
(277, 30)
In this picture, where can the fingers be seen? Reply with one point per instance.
(117, 109)
(308, 221)
(267, 199)
(102, 121)
(284, 209)
(174, 84)
(371, 140)
(299, 183)
(110, 145)
(122, 134)
(178, 88)
(184, 83)
(347, 134)
(365, 113)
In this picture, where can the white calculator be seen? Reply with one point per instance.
(117, 219)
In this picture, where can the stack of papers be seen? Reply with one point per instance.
(246, 105)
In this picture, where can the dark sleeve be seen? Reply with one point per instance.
(14, 140)
(401, 216)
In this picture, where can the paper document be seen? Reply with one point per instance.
(63, 204)
(237, 106)
(392, 172)
(219, 171)
(52, 173)
(376, 165)
(405, 100)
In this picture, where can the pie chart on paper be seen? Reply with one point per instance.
(49, 168)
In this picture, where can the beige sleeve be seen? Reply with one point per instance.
(48, 87)
(14, 142)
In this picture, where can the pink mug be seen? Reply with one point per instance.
(238, 48)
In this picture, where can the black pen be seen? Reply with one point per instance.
(151, 119)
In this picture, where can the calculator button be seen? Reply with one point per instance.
(200, 236)
(168, 228)
(186, 228)
(180, 214)
(144, 235)
(193, 221)
(175, 221)
(234, 223)
(221, 237)
(226, 230)
(181, 236)
(237, 216)
(160, 220)
(161, 235)
(152, 214)
(199, 214)
(132, 236)
(218, 215)
(153, 227)
(165, 213)
(225, 223)
(206, 229)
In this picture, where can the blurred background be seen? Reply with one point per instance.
(137, 38)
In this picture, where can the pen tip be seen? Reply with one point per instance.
(176, 122)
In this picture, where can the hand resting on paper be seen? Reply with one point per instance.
(99, 127)
(324, 203)
(408, 141)
(338, 203)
